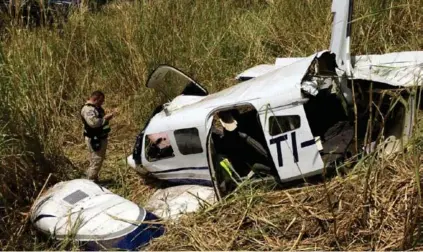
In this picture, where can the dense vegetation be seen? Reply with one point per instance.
(47, 73)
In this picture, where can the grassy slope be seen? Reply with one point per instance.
(46, 75)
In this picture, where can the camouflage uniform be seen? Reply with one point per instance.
(96, 130)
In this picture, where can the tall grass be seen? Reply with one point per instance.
(46, 74)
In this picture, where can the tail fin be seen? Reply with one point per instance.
(341, 33)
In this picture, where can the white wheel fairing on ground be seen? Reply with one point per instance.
(172, 202)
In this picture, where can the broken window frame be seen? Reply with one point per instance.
(184, 85)
(149, 144)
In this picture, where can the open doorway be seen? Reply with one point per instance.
(382, 116)
(329, 121)
(237, 148)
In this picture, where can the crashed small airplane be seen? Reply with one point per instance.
(285, 121)
(289, 120)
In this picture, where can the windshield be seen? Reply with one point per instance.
(172, 82)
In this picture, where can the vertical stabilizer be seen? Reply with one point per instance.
(341, 33)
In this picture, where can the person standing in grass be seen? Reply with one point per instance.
(96, 132)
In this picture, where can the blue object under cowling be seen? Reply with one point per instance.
(140, 237)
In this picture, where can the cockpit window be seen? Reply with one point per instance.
(157, 146)
(282, 124)
(188, 141)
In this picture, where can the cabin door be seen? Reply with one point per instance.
(291, 143)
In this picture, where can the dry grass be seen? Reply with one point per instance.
(332, 216)
(46, 75)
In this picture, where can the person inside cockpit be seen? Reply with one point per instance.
(243, 151)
